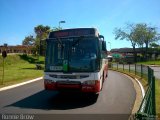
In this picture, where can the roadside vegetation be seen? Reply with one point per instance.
(156, 62)
(157, 82)
(19, 68)
(142, 35)
(145, 37)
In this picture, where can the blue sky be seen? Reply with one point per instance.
(19, 17)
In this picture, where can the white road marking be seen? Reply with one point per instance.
(142, 89)
(20, 84)
(139, 83)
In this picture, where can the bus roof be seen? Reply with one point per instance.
(74, 32)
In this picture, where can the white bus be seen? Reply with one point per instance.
(75, 60)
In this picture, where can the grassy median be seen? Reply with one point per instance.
(153, 62)
(19, 68)
(158, 96)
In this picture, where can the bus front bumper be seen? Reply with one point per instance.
(79, 87)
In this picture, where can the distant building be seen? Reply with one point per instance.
(153, 53)
(127, 50)
(17, 49)
(138, 50)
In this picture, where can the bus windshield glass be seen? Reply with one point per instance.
(80, 54)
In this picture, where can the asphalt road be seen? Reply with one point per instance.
(156, 72)
(116, 100)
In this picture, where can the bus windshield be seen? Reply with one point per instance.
(80, 53)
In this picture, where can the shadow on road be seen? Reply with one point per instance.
(50, 100)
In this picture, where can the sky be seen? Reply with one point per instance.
(19, 17)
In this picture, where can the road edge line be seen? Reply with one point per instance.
(20, 84)
(141, 91)
(142, 88)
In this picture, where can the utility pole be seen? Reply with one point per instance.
(4, 55)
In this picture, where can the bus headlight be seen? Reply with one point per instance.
(89, 82)
(48, 81)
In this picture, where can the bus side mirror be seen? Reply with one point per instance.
(104, 46)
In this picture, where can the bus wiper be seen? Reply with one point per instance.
(77, 41)
(59, 41)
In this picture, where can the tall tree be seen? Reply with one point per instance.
(127, 34)
(138, 34)
(146, 35)
(41, 34)
(42, 31)
(29, 40)
(154, 45)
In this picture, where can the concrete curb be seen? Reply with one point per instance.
(20, 84)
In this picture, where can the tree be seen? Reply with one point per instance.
(41, 34)
(145, 35)
(29, 40)
(42, 31)
(154, 45)
(138, 34)
(128, 34)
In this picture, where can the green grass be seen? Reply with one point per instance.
(158, 96)
(19, 68)
(157, 62)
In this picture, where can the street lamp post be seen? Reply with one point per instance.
(60, 23)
